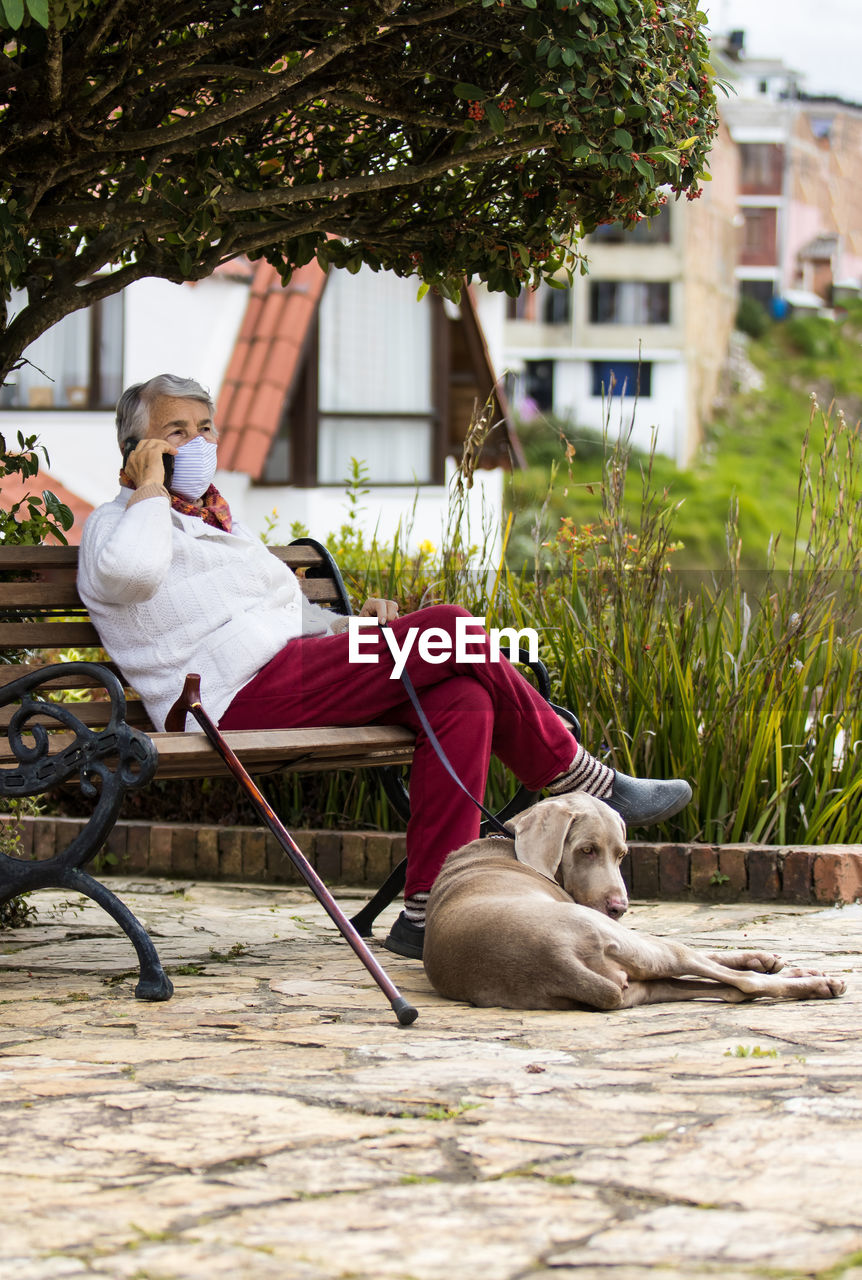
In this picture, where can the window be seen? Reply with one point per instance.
(556, 305)
(630, 302)
(655, 230)
(367, 391)
(761, 168)
(76, 364)
(538, 384)
(759, 237)
(763, 291)
(621, 378)
(543, 304)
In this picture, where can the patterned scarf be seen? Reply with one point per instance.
(213, 507)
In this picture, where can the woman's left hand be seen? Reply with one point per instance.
(382, 610)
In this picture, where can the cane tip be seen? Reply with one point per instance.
(404, 1012)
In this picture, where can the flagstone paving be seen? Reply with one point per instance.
(273, 1120)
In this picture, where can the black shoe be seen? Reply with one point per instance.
(639, 801)
(405, 939)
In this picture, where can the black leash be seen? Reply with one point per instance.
(444, 760)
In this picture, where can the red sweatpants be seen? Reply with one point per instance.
(474, 709)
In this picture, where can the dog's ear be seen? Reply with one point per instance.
(540, 834)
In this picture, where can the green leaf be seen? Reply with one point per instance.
(471, 92)
(608, 7)
(495, 117)
(623, 139)
(665, 154)
(13, 11)
(643, 167)
(529, 4)
(39, 11)
(423, 289)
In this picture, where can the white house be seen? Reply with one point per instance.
(640, 341)
(305, 378)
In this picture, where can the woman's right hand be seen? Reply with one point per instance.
(144, 464)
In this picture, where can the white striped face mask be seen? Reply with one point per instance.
(194, 468)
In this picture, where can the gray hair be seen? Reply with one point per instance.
(133, 406)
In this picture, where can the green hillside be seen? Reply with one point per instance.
(750, 456)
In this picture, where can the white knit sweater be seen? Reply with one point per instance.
(170, 594)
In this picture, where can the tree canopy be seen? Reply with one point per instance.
(438, 138)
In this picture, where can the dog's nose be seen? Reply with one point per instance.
(616, 907)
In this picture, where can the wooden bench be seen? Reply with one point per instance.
(98, 728)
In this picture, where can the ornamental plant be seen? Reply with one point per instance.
(35, 517)
(446, 139)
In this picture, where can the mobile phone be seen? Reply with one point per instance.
(167, 459)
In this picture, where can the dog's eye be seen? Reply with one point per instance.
(588, 851)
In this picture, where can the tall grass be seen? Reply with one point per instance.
(747, 682)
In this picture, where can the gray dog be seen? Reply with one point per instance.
(531, 923)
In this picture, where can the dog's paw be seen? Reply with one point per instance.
(811, 984)
(755, 961)
(825, 987)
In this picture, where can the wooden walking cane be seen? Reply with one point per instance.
(189, 702)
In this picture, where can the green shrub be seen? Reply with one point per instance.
(815, 337)
(546, 437)
(752, 317)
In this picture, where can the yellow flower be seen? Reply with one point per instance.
(427, 548)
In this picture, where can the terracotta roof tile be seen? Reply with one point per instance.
(281, 359)
(266, 406)
(255, 358)
(264, 364)
(253, 444)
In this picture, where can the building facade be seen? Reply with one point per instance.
(800, 193)
(639, 343)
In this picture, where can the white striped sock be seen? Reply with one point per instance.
(414, 909)
(586, 773)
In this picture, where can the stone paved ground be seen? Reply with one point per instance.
(273, 1120)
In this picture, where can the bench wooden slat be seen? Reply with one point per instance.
(93, 714)
(49, 558)
(48, 635)
(9, 672)
(61, 598)
(188, 755)
(40, 595)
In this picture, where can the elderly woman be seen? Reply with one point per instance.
(175, 584)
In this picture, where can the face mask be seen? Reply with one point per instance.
(194, 468)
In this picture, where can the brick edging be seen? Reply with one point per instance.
(713, 873)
